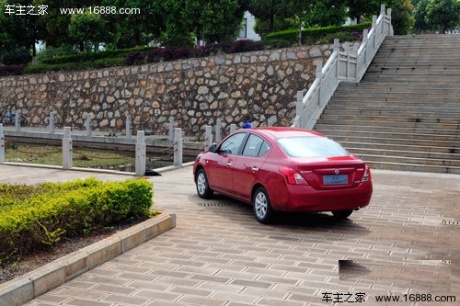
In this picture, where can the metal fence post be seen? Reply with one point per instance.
(67, 148)
(128, 126)
(88, 125)
(2, 145)
(178, 151)
(218, 130)
(171, 130)
(140, 153)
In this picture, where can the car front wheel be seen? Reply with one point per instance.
(202, 185)
(262, 208)
(342, 214)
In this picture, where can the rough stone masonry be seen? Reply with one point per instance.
(195, 92)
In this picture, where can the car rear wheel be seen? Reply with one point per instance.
(262, 207)
(342, 214)
(202, 185)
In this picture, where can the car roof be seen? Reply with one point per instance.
(280, 132)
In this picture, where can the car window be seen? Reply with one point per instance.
(311, 146)
(255, 146)
(232, 144)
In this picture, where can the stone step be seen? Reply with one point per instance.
(385, 132)
(437, 158)
(383, 165)
(429, 80)
(408, 160)
(442, 128)
(398, 87)
(366, 143)
(405, 112)
(346, 117)
(373, 140)
(380, 109)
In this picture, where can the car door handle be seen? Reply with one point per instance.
(254, 169)
(229, 163)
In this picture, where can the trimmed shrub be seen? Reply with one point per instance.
(44, 214)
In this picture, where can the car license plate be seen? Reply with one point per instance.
(335, 179)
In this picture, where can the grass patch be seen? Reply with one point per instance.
(50, 155)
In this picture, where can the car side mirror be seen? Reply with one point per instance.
(213, 148)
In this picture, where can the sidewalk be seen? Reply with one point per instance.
(406, 241)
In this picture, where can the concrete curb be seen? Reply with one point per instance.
(35, 283)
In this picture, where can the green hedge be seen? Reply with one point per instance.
(37, 217)
(311, 35)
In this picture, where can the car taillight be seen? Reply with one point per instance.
(366, 175)
(293, 177)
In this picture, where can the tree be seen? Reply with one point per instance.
(208, 20)
(443, 15)
(326, 13)
(140, 23)
(56, 23)
(419, 14)
(18, 26)
(362, 8)
(401, 16)
(88, 30)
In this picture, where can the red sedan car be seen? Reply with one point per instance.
(284, 169)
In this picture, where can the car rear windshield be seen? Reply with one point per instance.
(311, 146)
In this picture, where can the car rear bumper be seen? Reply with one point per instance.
(307, 199)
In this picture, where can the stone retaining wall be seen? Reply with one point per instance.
(195, 92)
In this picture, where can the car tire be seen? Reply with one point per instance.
(342, 214)
(263, 210)
(202, 185)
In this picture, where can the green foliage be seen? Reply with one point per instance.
(313, 35)
(443, 15)
(18, 56)
(37, 217)
(89, 30)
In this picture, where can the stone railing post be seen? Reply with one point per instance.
(319, 77)
(233, 127)
(140, 154)
(218, 128)
(67, 148)
(2, 145)
(299, 107)
(17, 121)
(51, 123)
(128, 127)
(208, 137)
(171, 136)
(88, 125)
(178, 151)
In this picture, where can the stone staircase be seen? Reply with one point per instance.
(405, 113)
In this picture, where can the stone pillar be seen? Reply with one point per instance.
(88, 125)
(232, 127)
(2, 145)
(51, 123)
(140, 154)
(218, 130)
(67, 148)
(128, 126)
(208, 137)
(17, 121)
(178, 150)
(171, 136)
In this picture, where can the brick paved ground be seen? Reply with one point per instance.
(406, 241)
